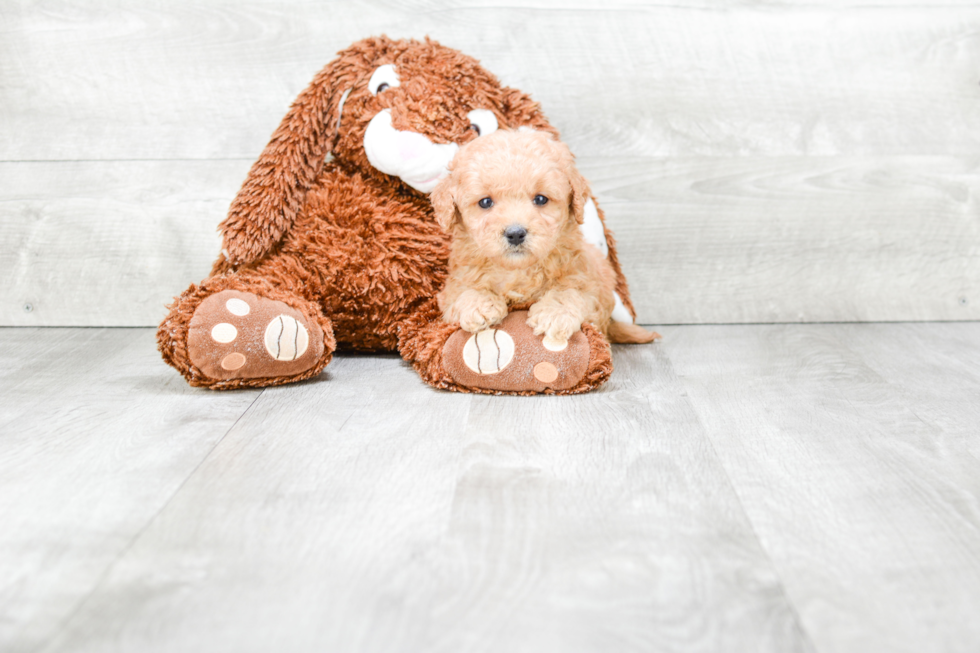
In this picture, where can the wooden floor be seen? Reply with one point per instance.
(737, 488)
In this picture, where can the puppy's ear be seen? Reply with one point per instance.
(444, 205)
(579, 188)
(579, 194)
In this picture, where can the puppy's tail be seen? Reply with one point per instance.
(623, 333)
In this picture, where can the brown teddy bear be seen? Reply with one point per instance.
(331, 241)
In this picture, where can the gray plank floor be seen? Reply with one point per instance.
(736, 488)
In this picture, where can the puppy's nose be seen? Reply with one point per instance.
(515, 234)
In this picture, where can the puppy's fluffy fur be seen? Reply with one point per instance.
(526, 180)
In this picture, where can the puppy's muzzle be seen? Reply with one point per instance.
(515, 235)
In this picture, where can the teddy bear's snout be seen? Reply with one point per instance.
(411, 156)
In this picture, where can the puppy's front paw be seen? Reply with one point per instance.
(554, 322)
(478, 310)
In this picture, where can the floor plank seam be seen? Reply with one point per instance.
(758, 538)
(807, 639)
(135, 538)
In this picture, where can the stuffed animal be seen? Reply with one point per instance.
(332, 243)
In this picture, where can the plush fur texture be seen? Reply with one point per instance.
(513, 202)
(355, 250)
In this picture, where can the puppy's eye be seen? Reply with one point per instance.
(540, 200)
(383, 77)
(485, 203)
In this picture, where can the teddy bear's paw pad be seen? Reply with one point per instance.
(510, 358)
(240, 335)
(286, 339)
(489, 351)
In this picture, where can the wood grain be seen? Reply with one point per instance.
(936, 370)
(760, 162)
(212, 80)
(107, 243)
(757, 488)
(366, 512)
(96, 436)
(312, 527)
(799, 239)
(870, 512)
(600, 523)
(702, 240)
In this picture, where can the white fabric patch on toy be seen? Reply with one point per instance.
(340, 107)
(620, 313)
(552, 344)
(488, 351)
(594, 234)
(383, 75)
(224, 333)
(592, 229)
(285, 338)
(419, 162)
(237, 307)
(484, 120)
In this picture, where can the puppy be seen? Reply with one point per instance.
(513, 202)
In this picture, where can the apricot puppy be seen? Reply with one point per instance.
(513, 202)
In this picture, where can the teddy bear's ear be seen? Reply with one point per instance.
(276, 186)
(518, 110)
(444, 204)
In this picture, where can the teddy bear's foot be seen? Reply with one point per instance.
(240, 335)
(510, 358)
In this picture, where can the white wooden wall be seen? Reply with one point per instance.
(758, 161)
